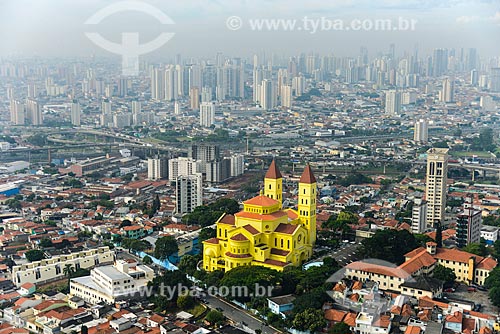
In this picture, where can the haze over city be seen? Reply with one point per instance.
(249, 167)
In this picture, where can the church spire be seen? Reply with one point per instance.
(273, 172)
(307, 176)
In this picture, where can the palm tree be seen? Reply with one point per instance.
(68, 271)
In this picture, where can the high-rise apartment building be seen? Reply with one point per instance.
(447, 93)
(17, 112)
(188, 193)
(419, 216)
(393, 102)
(157, 168)
(207, 114)
(421, 131)
(75, 113)
(469, 224)
(435, 190)
(182, 167)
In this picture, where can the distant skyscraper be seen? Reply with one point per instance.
(182, 167)
(393, 102)
(207, 114)
(10, 93)
(171, 84)
(474, 77)
(447, 94)
(157, 168)
(286, 96)
(486, 103)
(75, 113)
(435, 188)
(157, 84)
(188, 193)
(421, 132)
(123, 87)
(267, 95)
(34, 112)
(136, 107)
(194, 98)
(298, 85)
(17, 112)
(204, 152)
(237, 164)
(439, 62)
(495, 80)
(257, 80)
(32, 90)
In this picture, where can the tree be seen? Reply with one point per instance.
(492, 282)
(165, 247)
(68, 271)
(125, 222)
(185, 302)
(147, 260)
(45, 242)
(389, 245)
(444, 274)
(188, 264)
(477, 248)
(439, 234)
(206, 233)
(34, 255)
(249, 277)
(340, 328)
(309, 320)
(156, 204)
(214, 317)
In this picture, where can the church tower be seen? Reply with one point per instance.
(273, 183)
(307, 202)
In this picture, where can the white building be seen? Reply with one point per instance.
(188, 193)
(421, 131)
(108, 284)
(182, 167)
(435, 188)
(51, 269)
(34, 112)
(393, 102)
(17, 112)
(267, 95)
(486, 103)
(447, 93)
(419, 216)
(157, 168)
(489, 233)
(237, 165)
(207, 114)
(286, 96)
(75, 113)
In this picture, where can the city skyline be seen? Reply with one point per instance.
(201, 26)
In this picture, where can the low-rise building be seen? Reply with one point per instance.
(108, 284)
(51, 269)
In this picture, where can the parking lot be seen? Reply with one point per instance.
(478, 297)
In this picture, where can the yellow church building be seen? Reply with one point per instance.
(265, 234)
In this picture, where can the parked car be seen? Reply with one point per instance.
(471, 289)
(449, 290)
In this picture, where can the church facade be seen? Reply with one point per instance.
(265, 234)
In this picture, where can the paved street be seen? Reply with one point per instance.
(345, 254)
(238, 315)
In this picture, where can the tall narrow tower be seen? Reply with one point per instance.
(273, 183)
(435, 191)
(307, 202)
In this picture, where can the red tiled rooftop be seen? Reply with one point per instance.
(286, 228)
(261, 200)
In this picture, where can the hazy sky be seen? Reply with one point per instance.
(56, 27)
